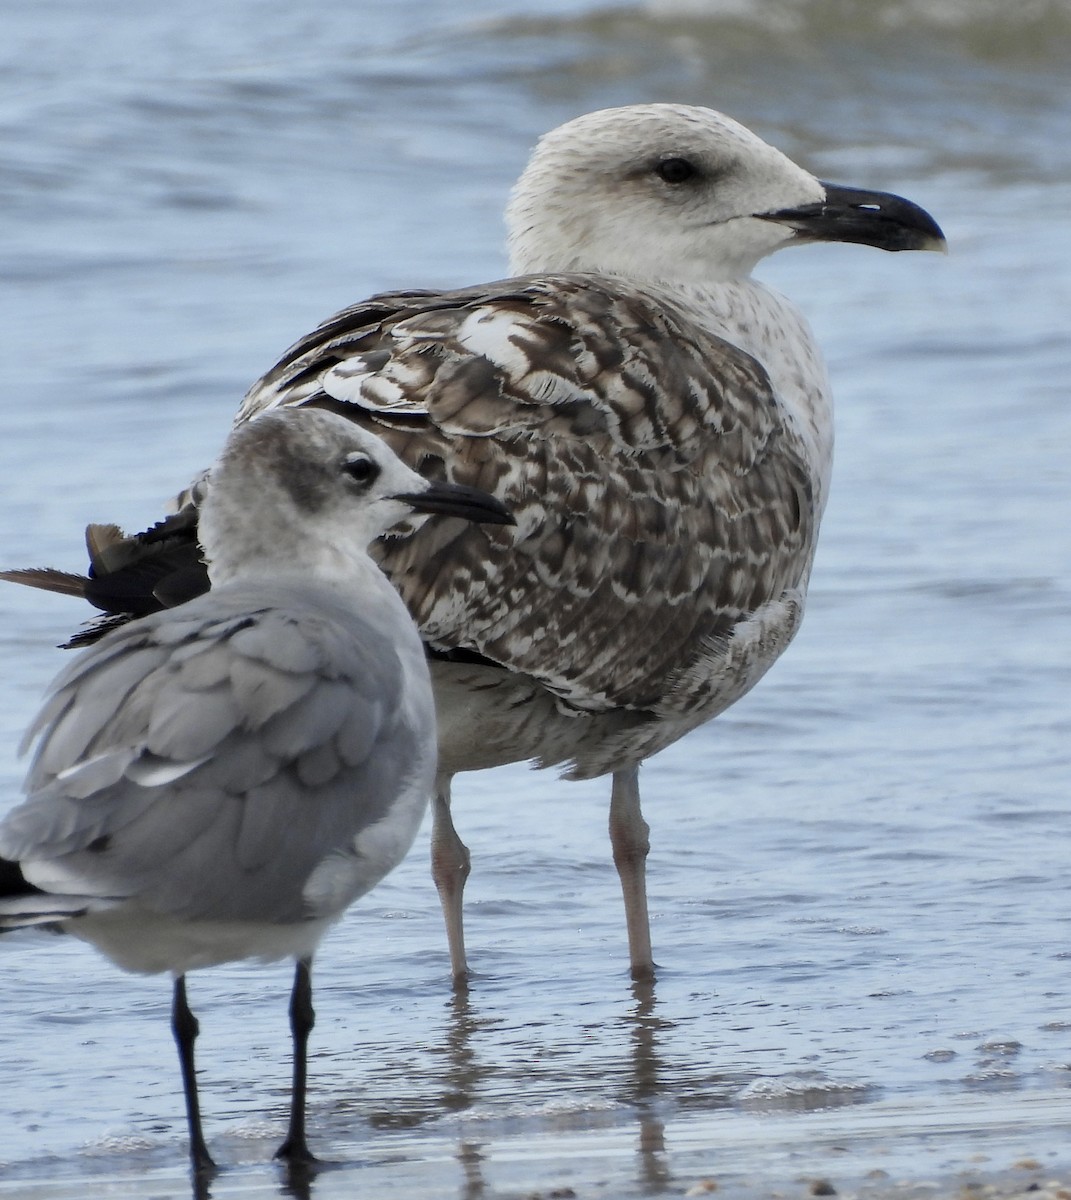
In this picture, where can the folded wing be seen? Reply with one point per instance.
(660, 496)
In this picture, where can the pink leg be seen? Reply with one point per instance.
(450, 866)
(630, 841)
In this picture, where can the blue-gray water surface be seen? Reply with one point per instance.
(860, 897)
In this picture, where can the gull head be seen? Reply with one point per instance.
(675, 193)
(304, 488)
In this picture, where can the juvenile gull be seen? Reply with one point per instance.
(221, 780)
(659, 422)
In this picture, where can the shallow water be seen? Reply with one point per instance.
(858, 880)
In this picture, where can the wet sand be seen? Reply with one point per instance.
(1025, 1179)
(882, 1151)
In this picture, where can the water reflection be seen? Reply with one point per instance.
(645, 1080)
(298, 1179)
(462, 1075)
(471, 1157)
(646, 1084)
(201, 1182)
(463, 1072)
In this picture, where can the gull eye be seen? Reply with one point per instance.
(361, 469)
(676, 170)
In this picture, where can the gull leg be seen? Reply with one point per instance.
(629, 837)
(185, 1029)
(302, 1018)
(450, 866)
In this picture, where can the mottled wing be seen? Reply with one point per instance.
(211, 759)
(660, 496)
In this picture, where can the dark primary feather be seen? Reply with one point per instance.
(123, 578)
(129, 576)
(13, 882)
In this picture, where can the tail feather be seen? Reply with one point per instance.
(46, 916)
(22, 905)
(129, 576)
(13, 882)
(67, 583)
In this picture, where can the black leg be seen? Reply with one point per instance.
(302, 1019)
(185, 1028)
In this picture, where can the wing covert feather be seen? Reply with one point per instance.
(225, 754)
(655, 481)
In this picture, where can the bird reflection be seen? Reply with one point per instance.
(298, 1178)
(463, 1075)
(471, 1157)
(645, 1083)
(461, 1072)
(202, 1182)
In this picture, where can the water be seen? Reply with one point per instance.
(860, 900)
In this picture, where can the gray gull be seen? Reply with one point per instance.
(222, 779)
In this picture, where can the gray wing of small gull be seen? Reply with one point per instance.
(209, 761)
(655, 482)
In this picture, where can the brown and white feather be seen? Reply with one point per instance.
(661, 496)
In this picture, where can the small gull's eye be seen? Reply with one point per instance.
(361, 469)
(676, 170)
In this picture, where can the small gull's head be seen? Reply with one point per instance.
(302, 486)
(675, 193)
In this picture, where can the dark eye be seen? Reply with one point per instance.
(361, 469)
(676, 170)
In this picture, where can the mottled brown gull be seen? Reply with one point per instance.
(221, 780)
(659, 422)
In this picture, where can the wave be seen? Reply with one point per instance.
(1024, 25)
(1009, 31)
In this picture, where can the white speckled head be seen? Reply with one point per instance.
(664, 192)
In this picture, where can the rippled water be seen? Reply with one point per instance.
(861, 903)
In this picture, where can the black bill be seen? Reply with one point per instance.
(456, 500)
(878, 219)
